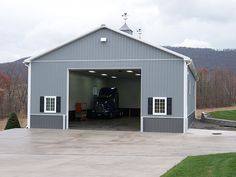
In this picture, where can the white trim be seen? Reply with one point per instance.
(161, 117)
(185, 97)
(55, 104)
(109, 68)
(67, 97)
(64, 119)
(141, 102)
(43, 114)
(153, 105)
(29, 96)
(141, 123)
(115, 60)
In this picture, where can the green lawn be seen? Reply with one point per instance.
(216, 165)
(227, 115)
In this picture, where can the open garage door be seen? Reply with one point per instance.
(105, 99)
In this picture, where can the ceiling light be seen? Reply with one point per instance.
(104, 74)
(113, 77)
(137, 74)
(92, 71)
(129, 71)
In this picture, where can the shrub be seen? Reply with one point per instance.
(12, 122)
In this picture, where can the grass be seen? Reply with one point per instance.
(199, 111)
(226, 115)
(216, 165)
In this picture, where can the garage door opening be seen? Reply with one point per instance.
(105, 99)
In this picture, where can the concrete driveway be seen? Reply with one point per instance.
(88, 153)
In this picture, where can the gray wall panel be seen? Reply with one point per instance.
(162, 78)
(46, 121)
(191, 93)
(173, 125)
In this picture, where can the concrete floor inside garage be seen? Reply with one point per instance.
(84, 87)
(124, 123)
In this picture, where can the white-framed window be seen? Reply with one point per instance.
(159, 105)
(50, 104)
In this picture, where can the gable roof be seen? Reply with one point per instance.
(185, 58)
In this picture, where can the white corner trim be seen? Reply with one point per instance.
(29, 96)
(185, 97)
(108, 60)
(141, 124)
(64, 121)
(67, 97)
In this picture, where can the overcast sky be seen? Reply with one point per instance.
(28, 27)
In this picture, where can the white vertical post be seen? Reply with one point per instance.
(29, 96)
(64, 121)
(141, 124)
(185, 110)
(67, 98)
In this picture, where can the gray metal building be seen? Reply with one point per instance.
(162, 83)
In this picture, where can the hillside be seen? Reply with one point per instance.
(14, 68)
(209, 58)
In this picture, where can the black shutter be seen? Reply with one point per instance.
(58, 104)
(150, 105)
(169, 106)
(41, 103)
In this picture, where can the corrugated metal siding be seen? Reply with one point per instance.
(117, 47)
(191, 96)
(46, 121)
(159, 78)
(172, 125)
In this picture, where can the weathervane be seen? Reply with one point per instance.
(125, 16)
(139, 31)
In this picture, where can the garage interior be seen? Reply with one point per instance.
(84, 88)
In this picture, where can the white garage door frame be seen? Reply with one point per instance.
(110, 68)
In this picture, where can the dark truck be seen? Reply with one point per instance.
(106, 104)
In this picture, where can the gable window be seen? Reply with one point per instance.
(50, 104)
(159, 106)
